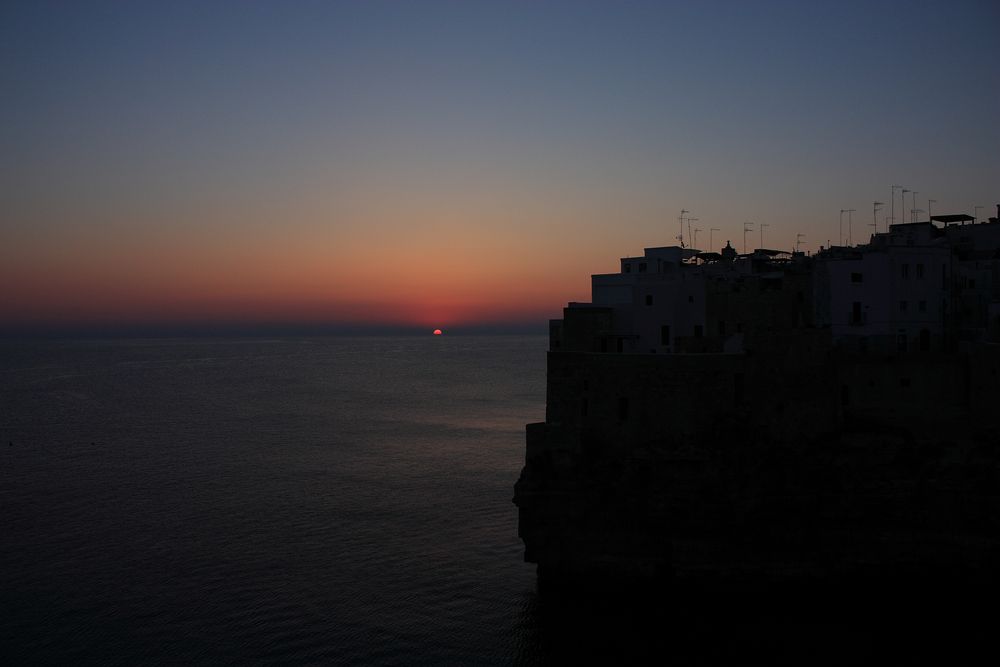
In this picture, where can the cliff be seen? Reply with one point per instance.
(779, 466)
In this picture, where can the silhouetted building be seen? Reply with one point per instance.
(703, 395)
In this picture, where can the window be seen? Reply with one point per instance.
(904, 271)
(722, 327)
(642, 267)
(972, 283)
(649, 299)
(584, 408)
(665, 334)
(628, 268)
(903, 306)
(621, 345)
(857, 278)
(739, 327)
(622, 409)
(690, 298)
(904, 382)
(920, 271)
(922, 306)
(699, 331)
(856, 312)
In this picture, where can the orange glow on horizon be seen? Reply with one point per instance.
(437, 332)
(444, 273)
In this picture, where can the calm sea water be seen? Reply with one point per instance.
(290, 501)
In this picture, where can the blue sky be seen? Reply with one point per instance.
(559, 135)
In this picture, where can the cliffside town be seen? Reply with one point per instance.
(775, 415)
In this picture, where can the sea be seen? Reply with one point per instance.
(284, 501)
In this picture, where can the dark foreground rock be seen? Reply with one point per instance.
(871, 502)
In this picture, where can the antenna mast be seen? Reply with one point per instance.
(892, 214)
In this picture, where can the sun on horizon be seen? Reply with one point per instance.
(438, 332)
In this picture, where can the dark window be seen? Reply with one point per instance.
(622, 409)
(722, 327)
(901, 342)
(699, 331)
(856, 312)
(904, 382)
(904, 271)
(857, 278)
(845, 395)
(621, 345)
(920, 271)
(925, 340)
(903, 306)
(665, 334)
(604, 345)
(642, 267)
(972, 283)
(690, 299)
(739, 327)
(649, 299)
(738, 388)
(628, 268)
(922, 306)
(584, 407)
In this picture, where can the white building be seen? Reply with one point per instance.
(889, 295)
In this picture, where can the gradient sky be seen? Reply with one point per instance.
(456, 163)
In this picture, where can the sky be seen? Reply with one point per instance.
(456, 164)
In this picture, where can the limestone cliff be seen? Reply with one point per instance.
(772, 476)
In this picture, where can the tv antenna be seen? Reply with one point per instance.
(975, 210)
(695, 237)
(929, 202)
(892, 214)
(913, 209)
(798, 241)
(876, 207)
(850, 235)
(690, 235)
(747, 227)
(762, 226)
(710, 230)
(680, 237)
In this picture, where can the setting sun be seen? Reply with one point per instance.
(437, 332)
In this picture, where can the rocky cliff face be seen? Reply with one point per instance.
(877, 493)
